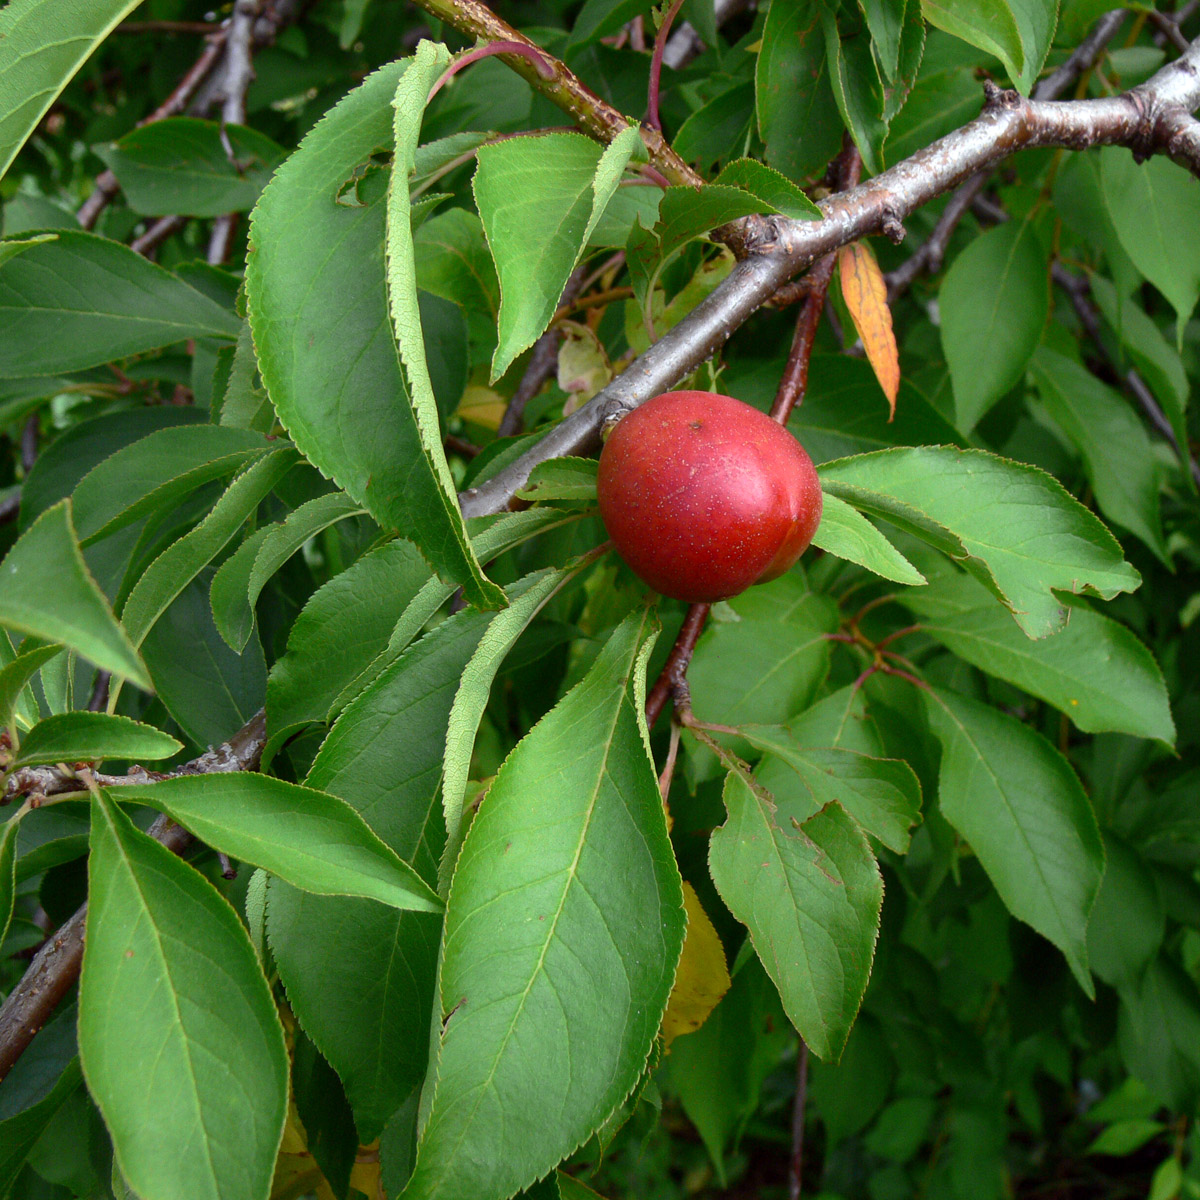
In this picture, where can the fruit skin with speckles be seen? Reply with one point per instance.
(704, 496)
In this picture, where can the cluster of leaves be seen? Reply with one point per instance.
(468, 951)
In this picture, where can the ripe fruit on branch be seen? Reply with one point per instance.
(703, 495)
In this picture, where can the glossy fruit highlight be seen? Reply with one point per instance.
(704, 496)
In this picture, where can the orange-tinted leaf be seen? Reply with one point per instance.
(702, 978)
(866, 297)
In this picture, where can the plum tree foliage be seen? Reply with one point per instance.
(370, 827)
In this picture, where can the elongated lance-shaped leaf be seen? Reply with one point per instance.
(316, 288)
(472, 697)
(14, 679)
(810, 894)
(175, 1018)
(150, 474)
(46, 590)
(79, 300)
(42, 44)
(183, 560)
(1013, 526)
(564, 925)
(1018, 803)
(8, 872)
(1096, 671)
(846, 533)
(308, 838)
(430, 61)
(71, 736)
(243, 575)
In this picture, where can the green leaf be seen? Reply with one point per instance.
(857, 88)
(1117, 454)
(562, 479)
(539, 200)
(885, 20)
(47, 591)
(798, 117)
(526, 599)
(91, 736)
(193, 167)
(80, 300)
(993, 303)
(1124, 1137)
(182, 561)
(409, 104)
(1159, 362)
(323, 333)
(810, 895)
(1159, 1033)
(1037, 21)
(15, 677)
(8, 874)
(1020, 533)
(34, 1091)
(156, 472)
(241, 578)
(845, 532)
(453, 262)
(1019, 804)
(174, 1018)
(772, 187)
(369, 1018)
(766, 664)
(881, 794)
(1094, 670)
(988, 24)
(11, 247)
(1149, 204)
(555, 971)
(1128, 923)
(208, 689)
(307, 838)
(42, 44)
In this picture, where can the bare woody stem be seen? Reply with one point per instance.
(56, 966)
(1145, 119)
(656, 62)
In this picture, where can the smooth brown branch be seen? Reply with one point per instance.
(158, 233)
(1007, 124)
(796, 1159)
(794, 381)
(56, 966)
(671, 683)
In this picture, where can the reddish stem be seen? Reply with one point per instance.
(660, 43)
(544, 69)
(672, 680)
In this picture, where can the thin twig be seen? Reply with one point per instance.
(157, 234)
(672, 679)
(56, 966)
(685, 43)
(796, 1161)
(29, 442)
(656, 61)
(107, 186)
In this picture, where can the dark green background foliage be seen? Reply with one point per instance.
(950, 847)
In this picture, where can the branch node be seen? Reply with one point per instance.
(996, 97)
(893, 227)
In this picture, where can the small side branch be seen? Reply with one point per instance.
(56, 966)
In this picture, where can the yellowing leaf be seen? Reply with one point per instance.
(482, 406)
(702, 978)
(866, 297)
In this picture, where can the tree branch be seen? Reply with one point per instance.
(1140, 119)
(56, 966)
